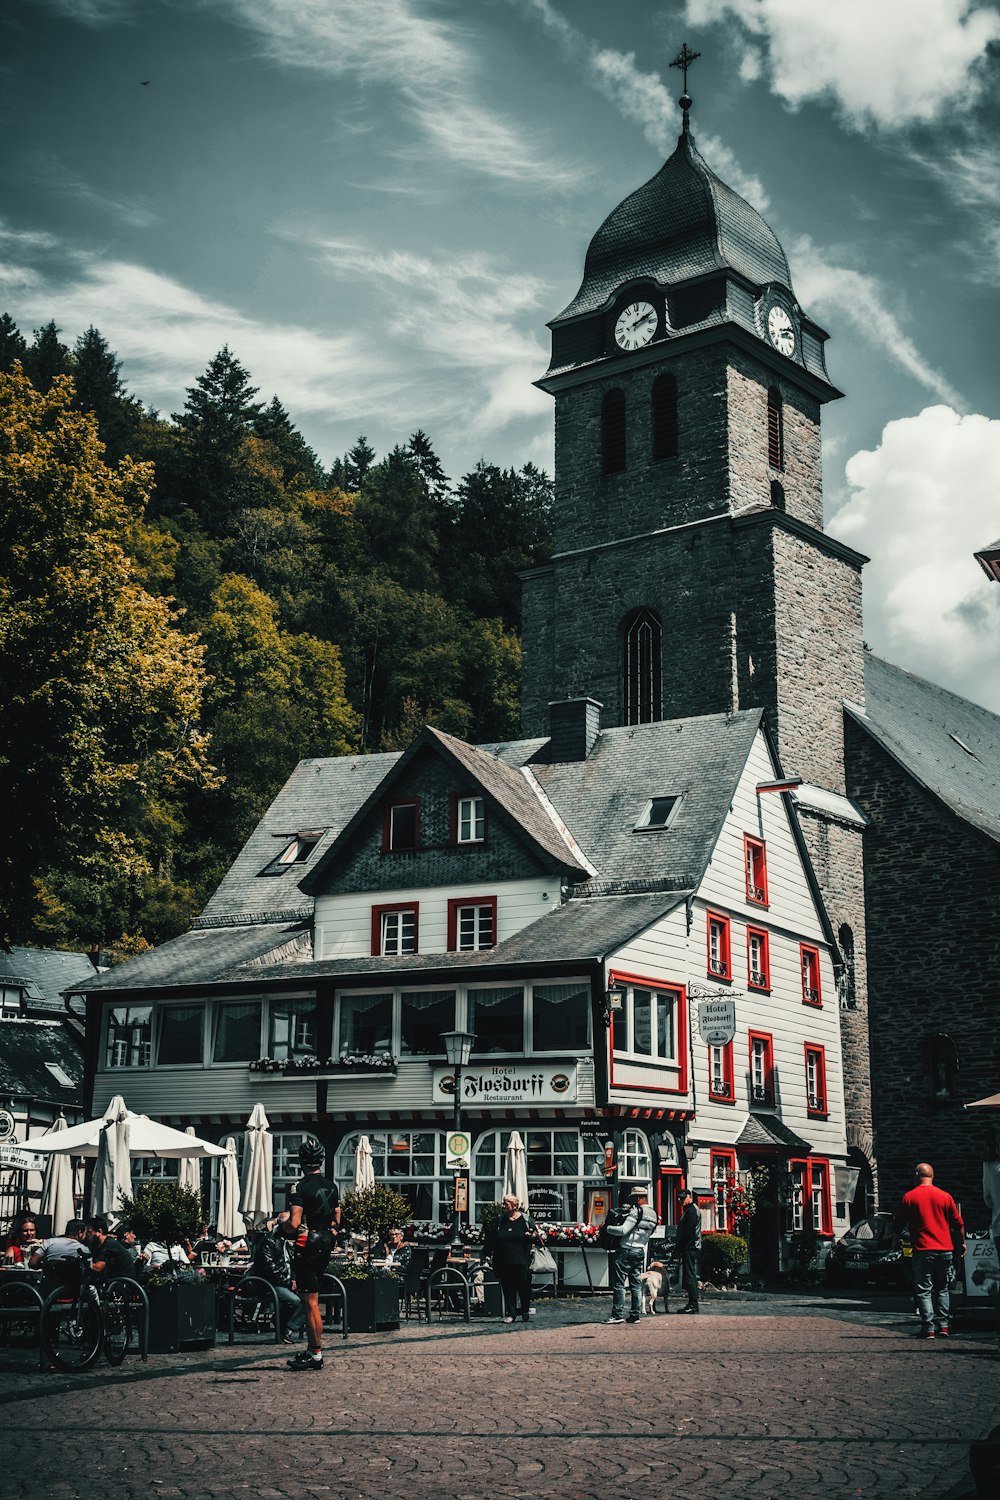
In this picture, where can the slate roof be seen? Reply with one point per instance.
(924, 728)
(602, 798)
(682, 223)
(201, 955)
(768, 1130)
(44, 973)
(25, 1048)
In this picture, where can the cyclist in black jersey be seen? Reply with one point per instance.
(314, 1205)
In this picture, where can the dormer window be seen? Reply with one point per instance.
(658, 814)
(401, 825)
(469, 820)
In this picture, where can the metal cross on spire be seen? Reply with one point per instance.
(683, 60)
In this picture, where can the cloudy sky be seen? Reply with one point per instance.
(379, 203)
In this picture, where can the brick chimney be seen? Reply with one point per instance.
(574, 724)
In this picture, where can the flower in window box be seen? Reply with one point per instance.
(266, 1065)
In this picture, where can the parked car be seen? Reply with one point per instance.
(871, 1250)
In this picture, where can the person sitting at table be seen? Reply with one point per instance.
(63, 1258)
(108, 1256)
(208, 1241)
(272, 1263)
(156, 1253)
(21, 1241)
(395, 1250)
(129, 1241)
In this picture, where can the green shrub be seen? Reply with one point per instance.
(162, 1211)
(721, 1256)
(372, 1211)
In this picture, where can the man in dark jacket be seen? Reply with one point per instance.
(272, 1264)
(688, 1246)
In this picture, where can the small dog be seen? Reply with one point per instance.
(652, 1281)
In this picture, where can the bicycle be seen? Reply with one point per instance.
(78, 1322)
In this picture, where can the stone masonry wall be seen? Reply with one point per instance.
(750, 474)
(537, 647)
(933, 888)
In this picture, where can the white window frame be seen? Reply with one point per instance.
(488, 1182)
(653, 1056)
(146, 1047)
(477, 934)
(470, 820)
(398, 917)
(380, 1142)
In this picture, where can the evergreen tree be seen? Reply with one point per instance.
(436, 480)
(336, 479)
(47, 358)
(297, 461)
(357, 462)
(12, 345)
(397, 519)
(502, 523)
(99, 389)
(218, 416)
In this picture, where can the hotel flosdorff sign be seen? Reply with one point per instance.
(499, 1085)
(717, 1022)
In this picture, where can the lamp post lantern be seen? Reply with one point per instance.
(457, 1051)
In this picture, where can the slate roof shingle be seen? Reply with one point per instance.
(201, 955)
(44, 974)
(924, 727)
(25, 1048)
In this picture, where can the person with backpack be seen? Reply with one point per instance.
(688, 1247)
(314, 1216)
(632, 1236)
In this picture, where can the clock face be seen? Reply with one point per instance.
(781, 331)
(636, 325)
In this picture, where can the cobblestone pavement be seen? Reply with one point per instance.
(759, 1397)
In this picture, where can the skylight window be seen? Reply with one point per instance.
(658, 813)
(299, 849)
(963, 746)
(61, 1077)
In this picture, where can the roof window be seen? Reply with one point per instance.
(296, 852)
(962, 745)
(658, 813)
(61, 1077)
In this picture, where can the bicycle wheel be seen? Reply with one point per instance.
(117, 1324)
(70, 1328)
(17, 1298)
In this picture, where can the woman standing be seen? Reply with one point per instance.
(509, 1247)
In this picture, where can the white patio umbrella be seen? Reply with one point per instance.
(112, 1175)
(227, 1216)
(189, 1171)
(146, 1137)
(515, 1170)
(256, 1200)
(992, 1102)
(364, 1166)
(57, 1185)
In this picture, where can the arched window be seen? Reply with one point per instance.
(563, 1166)
(411, 1162)
(845, 979)
(635, 1162)
(613, 432)
(664, 417)
(642, 697)
(775, 430)
(777, 495)
(941, 1065)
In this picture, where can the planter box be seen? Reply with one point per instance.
(372, 1304)
(574, 1272)
(181, 1316)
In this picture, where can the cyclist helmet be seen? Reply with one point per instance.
(312, 1153)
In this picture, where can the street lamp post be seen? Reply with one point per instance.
(457, 1050)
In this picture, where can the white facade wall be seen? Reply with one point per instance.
(343, 923)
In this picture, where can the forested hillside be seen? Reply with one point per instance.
(189, 604)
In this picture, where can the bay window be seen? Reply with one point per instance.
(237, 1031)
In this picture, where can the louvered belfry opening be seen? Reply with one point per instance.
(642, 664)
(775, 430)
(613, 432)
(664, 397)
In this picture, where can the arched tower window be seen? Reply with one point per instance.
(777, 495)
(845, 979)
(642, 638)
(613, 432)
(664, 417)
(775, 429)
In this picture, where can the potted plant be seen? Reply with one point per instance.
(372, 1211)
(372, 1296)
(181, 1301)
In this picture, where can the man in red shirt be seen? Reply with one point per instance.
(937, 1234)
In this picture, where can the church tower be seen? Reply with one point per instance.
(691, 573)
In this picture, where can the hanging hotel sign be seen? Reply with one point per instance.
(717, 1021)
(499, 1085)
(15, 1158)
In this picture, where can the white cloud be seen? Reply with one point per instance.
(55, 176)
(861, 301)
(428, 65)
(891, 62)
(640, 97)
(923, 502)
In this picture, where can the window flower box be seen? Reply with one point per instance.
(330, 1067)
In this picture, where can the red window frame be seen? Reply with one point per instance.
(729, 1097)
(820, 1109)
(456, 798)
(814, 1172)
(811, 993)
(728, 1160)
(725, 946)
(768, 1084)
(387, 845)
(679, 991)
(454, 907)
(378, 912)
(763, 979)
(755, 865)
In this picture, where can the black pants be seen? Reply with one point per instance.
(689, 1275)
(515, 1283)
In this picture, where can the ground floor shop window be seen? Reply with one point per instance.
(411, 1162)
(561, 1166)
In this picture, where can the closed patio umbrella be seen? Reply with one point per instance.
(364, 1166)
(227, 1217)
(991, 1102)
(112, 1175)
(57, 1185)
(189, 1171)
(256, 1200)
(515, 1170)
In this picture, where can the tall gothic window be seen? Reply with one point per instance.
(777, 495)
(775, 430)
(642, 638)
(664, 417)
(613, 432)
